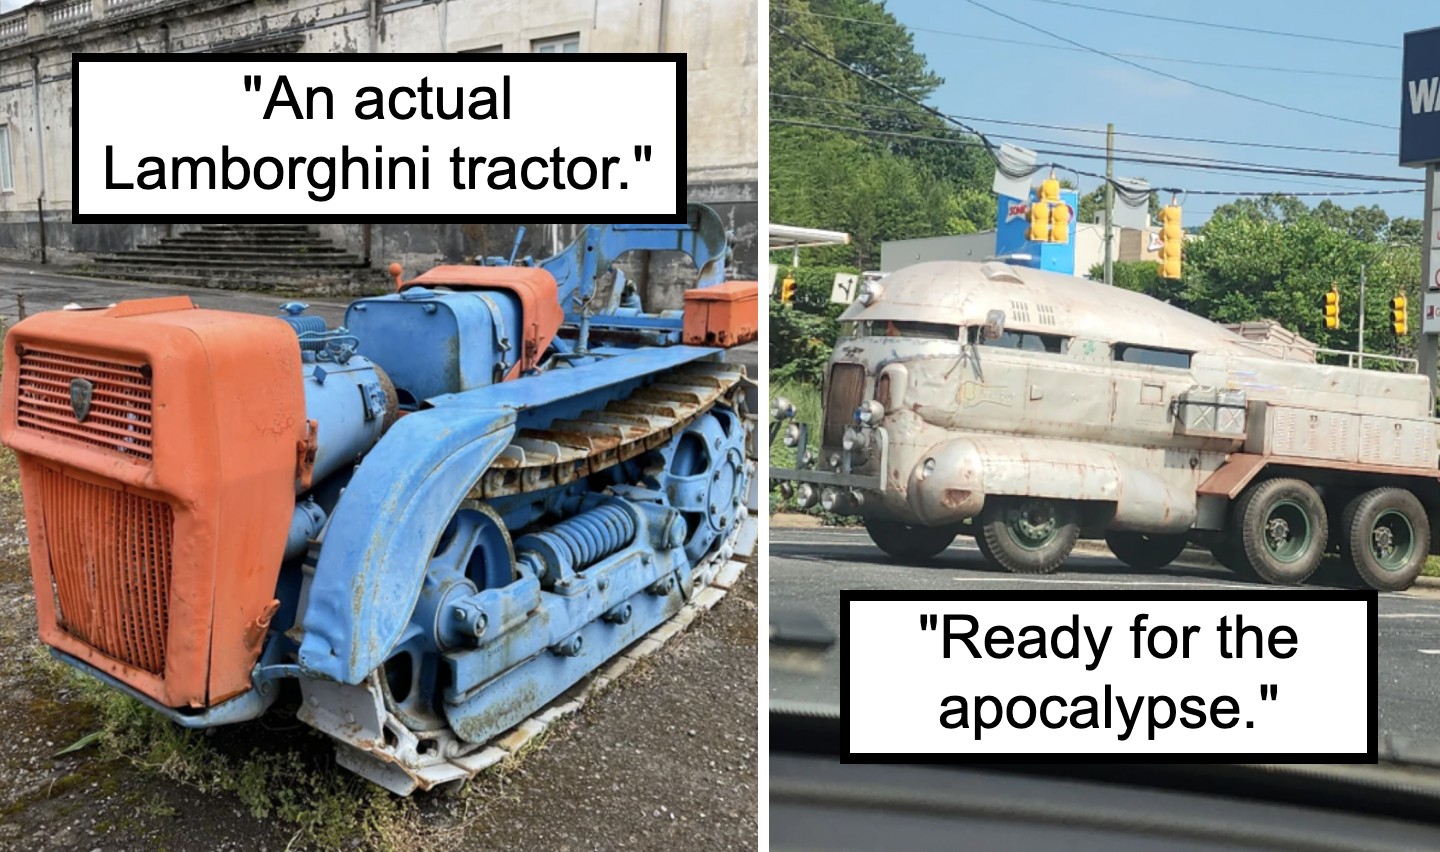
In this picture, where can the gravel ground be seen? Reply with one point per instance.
(664, 758)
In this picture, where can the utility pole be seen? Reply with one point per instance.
(1427, 341)
(1361, 343)
(1109, 201)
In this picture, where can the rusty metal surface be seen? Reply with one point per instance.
(1233, 476)
(541, 458)
(1072, 417)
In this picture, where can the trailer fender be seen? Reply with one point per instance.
(380, 536)
(953, 481)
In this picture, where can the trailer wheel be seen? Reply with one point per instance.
(1229, 554)
(1283, 529)
(904, 541)
(1029, 535)
(1145, 552)
(1386, 536)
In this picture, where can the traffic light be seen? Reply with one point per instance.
(1039, 216)
(1060, 222)
(1171, 239)
(787, 290)
(1050, 189)
(1332, 308)
(1397, 315)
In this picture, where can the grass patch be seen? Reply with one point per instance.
(1432, 567)
(293, 780)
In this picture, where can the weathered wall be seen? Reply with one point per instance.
(719, 37)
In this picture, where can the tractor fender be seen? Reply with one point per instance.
(379, 540)
(966, 471)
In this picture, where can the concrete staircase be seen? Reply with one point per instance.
(244, 257)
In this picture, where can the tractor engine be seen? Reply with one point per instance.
(435, 519)
(161, 449)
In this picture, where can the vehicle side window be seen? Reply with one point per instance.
(1152, 357)
(911, 329)
(1030, 341)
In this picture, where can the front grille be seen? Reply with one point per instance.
(110, 555)
(119, 415)
(847, 384)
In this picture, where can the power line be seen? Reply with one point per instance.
(1234, 27)
(1121, 189)
(1068, 129)
(1193, 166)
(1150, 57)
(1276, 104)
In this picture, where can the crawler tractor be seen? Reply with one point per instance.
(436, 519)
(1030, 409)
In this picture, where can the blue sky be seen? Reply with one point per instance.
(1000, 81)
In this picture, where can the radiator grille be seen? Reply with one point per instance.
(119, 415)
(110, 556)
(847, 383)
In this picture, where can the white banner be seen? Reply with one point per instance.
(1122, 674)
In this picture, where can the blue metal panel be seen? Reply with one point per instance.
(1011, 222)
(432, 342)
(348, 405)
(556, 385)
(702, 237)
(377, 545)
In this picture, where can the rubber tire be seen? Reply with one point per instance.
(904, 541)
(1002, 550)
(1249, 522)
(1230, 557)
(1359, 519)
(1145, 552)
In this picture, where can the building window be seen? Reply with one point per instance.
(559, 44)
(7, 178)
(494, 48)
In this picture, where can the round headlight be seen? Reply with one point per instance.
(782, 408)
(870, 413)
(855, 440)
(869, 292)
(792, 435)
(805, 495)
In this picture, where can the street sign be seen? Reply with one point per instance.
(1420, 99)
(845, 289)
(1430, 316)
(774, 276)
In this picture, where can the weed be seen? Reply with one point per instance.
(326, 806)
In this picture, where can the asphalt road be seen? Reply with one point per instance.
(809, 567)
(45, 290)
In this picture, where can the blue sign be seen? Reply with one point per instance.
(1012, 219)
(1420, 99)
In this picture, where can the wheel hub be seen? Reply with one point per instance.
(1034, 524)
(1384, 542)
(1278, 531)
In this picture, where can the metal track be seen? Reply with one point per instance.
(570, 449)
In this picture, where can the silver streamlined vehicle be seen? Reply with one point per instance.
(1029, 409)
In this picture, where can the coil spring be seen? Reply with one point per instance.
(588, 537)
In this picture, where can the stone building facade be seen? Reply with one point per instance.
(720, 38)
